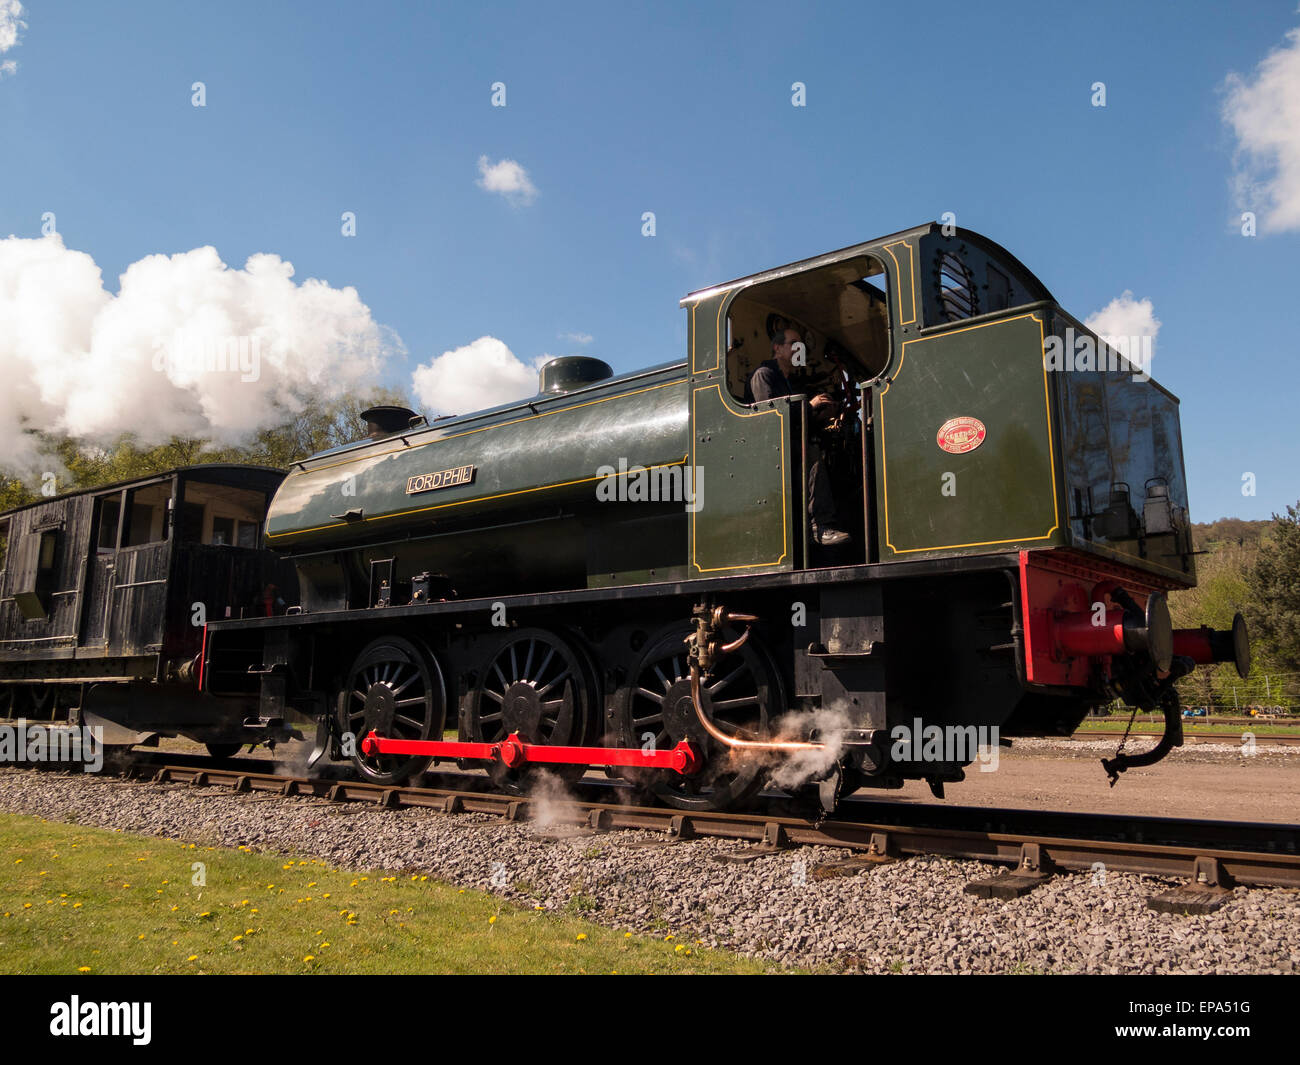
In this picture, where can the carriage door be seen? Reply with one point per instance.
(99, 582)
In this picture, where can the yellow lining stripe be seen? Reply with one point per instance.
(1051, 448)
(785, 546)
(911, 272)
(464, 502)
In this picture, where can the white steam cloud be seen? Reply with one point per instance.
(187, 347)
(11, 12)
(507, 178)
(484, 373)
(1264, 113)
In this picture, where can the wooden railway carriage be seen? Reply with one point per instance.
(534, 569)
(98, 599)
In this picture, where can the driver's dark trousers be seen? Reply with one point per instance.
(821, 507)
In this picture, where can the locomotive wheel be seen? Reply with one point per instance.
(223, 750)
(536, 684)
(395, 688)
(740, 696)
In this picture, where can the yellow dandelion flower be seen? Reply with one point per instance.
(206, 913)
(192, 957)
(236, 939)
(254, 910)
(248, 931)
(326, 895)
(310, 957)
(668, 937)
(140, 936)
(627, 935)
(83, 968)
(27, 905)
(76, 905)
(491, 920)
(582, 936)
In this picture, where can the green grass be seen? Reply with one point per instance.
(1118, 723)
(76, 899)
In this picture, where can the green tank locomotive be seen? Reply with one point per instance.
(622, 571)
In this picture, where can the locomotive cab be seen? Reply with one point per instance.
(840, 312)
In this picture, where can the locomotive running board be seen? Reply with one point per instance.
(514, 753)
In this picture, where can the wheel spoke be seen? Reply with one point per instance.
(414, 700)
(662, 679)
(733, 704)
(504, 683)
(641, 722)
(562, 676)
(490, 717)
(713, 689)
(410, 722)
(541, 670)
(654, 697)
(528, 660)
(498, 699)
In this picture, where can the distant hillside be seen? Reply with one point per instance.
(1227, 532)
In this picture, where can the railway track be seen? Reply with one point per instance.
(1211, 856)
(1191, 738)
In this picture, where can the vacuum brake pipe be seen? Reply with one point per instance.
(702, 646)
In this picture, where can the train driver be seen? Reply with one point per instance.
(772, 379)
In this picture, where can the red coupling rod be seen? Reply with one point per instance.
(514, 753)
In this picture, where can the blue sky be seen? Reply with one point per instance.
(612, 110)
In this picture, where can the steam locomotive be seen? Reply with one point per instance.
(619, 572)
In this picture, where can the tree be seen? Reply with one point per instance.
(1274, 594)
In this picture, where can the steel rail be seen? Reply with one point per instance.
(1249, 853)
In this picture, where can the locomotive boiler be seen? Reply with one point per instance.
(618, 572)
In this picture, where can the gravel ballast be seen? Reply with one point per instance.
(908, 916)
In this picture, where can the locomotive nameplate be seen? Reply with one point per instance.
(960, 435)
(428, 482)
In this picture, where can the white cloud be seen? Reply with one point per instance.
(1264, 113)
(188, 346)
(509, 179)
(1125, 317)
(577, 338)
(11, 12)
(483, 373)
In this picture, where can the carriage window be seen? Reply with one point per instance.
(146, 515)
(110, 509)
(221, 515)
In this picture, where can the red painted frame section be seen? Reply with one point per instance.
(514, 752)
(1056, 601)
